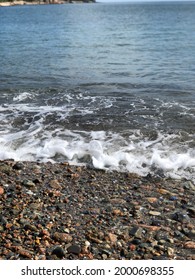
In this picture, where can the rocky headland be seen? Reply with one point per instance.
(42, 2)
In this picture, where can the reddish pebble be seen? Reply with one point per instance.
(1, 190)
(189, 245)
(132, 247)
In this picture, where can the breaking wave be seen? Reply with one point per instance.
(71, 127)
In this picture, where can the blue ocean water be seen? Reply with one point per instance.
(109, 85)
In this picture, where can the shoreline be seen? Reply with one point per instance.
(48, 2)
(60, 211)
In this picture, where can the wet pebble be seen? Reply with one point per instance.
(18, 166)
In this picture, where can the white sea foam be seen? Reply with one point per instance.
(22, 96)
(103, 150)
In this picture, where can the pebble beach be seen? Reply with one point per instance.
(53, 211)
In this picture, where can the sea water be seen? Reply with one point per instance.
(107, 85)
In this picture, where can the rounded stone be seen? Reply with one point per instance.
(18, 166)
(62, 237)
(58, 251)
(154, 213)
(180, 216)
(1, 191)
(74, 249)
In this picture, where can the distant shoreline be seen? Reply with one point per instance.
(46, 2)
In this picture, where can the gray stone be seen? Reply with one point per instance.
(180, 217)
(136, 231)
(74, 249)
(28, 184)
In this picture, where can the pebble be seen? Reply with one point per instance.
(173, 198)
(152, 199)
(18, 166)
(5, 168)
(55, 184)
(117, 212)
(163, 191)
(132, 247)
(58, 251)
(62, 237)
(28, 183)
(1, 190)
(170, 251)
(112, 237)
(3, 220)
(74, 249)
(136, 231)
(25, 253)
(31, 227)
(190, 245)
(191, 211)
(156, 223)
(180, 216)
(154, 213)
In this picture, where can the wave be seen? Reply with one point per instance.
(164, 156)
(110, 132)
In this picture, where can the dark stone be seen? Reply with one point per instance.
(18, 166)
(156, 223)
(144, 245)
(191, 211)
(173, 198)
(74, 249)
(3, 220)
(58, 251)
(180, 216)
(161, 236)
(179, 235)
(95, 251)
(4, 168)
(28, 183)
(107, 252)
(189, 233)
(37, 181)
(161, 257)
(136, 241)
(30, 227)
(136, 231)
